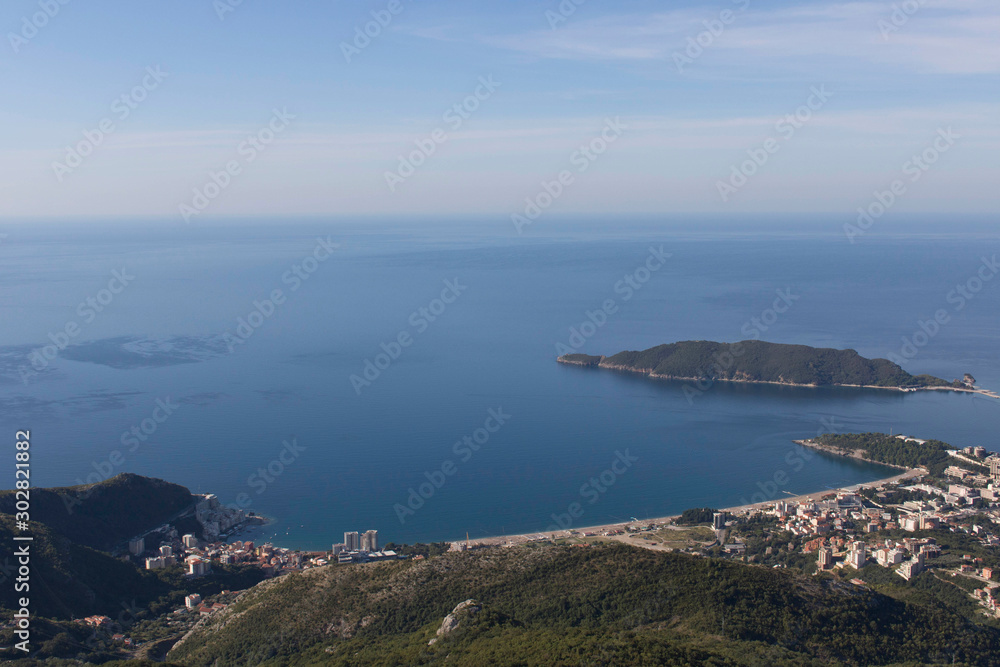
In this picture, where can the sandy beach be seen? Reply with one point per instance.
(512, 540)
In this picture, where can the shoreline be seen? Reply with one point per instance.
(524, 538)
(649, 374)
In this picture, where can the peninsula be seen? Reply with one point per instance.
(771, 363)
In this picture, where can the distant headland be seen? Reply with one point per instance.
(753, 361)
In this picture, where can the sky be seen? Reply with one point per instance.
(192, 109)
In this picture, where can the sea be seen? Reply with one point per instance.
(400, 375)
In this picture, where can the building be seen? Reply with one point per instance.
(909, 569)
(825, 561)
(192, 601)
(928, 522)
(154, 563)
(166, 550)
(369, 541)
(137, 546)
(719, 520)
(337, 548)
(197, 567)
(912, 567)
(889, 557)
(857, 556)
(352, 541)
(190, 541)
(994, 462)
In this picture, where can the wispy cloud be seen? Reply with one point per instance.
(940, 37)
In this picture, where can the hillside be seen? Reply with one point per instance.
(758, 361)
(884, 448)
(105, 514)
(609, 604)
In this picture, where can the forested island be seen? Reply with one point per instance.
(762, 362)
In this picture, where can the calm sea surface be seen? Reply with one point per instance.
(169, 329)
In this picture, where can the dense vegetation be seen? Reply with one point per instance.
(882, 448)
(758, 361)
(695, 516)
(581, 359)
(419, 549)
(605, 604)
(105, 514)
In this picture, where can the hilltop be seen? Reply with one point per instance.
(602, 604)
(73, 573)
(761, 362)
(104, 514)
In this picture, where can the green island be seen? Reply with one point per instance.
(756, 361)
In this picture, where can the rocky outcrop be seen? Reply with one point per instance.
(462, 612)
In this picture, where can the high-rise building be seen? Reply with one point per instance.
(352, 541)
(166, 550)
(994, 462)
(197, 567)
(858, 556)
(369, 541)
(137, 546)
(719, 520)
(825, 558)
(190, 541)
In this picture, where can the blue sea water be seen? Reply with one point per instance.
(173, 334)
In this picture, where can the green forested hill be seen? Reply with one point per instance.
(609, 605)
(758, 361)
(885, 448)
(104, 514)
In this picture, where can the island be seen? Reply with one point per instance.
(754, 361)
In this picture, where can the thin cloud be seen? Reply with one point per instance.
(947, 38)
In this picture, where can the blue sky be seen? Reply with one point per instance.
(691, 114)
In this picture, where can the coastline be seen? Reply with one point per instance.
(515, 540)
(650, 374)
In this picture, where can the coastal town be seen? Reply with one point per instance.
(916, 528)
(944, 526)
